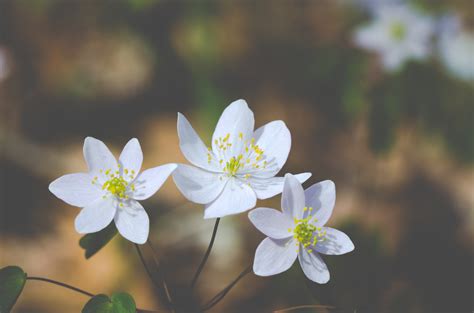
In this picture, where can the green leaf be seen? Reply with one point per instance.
(123, 303)
(12, 281)
(118, 303)
(98, 304)
(92, 243)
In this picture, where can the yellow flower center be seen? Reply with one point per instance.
(116, 183)
(252, 156)
(233, 165)
(398, 31)
(305, 233)
(116, 186)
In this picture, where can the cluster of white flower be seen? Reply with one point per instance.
(228, 178)
(398, 33)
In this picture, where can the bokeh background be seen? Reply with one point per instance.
(398, 144)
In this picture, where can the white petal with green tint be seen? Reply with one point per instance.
(269, 187)
(237, 121)
(76, 189)
(98, 156)
(321, 197)
(96, 215)
(274, 256)
(149, 181)
(236, 197)
(335, 242)
(313, 266)
(275, 140)
(192, 147)
(131, 158)
(132, 222)
(198, 185)
(292, 199)
(271, 222)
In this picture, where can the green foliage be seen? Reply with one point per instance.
(93, 242)
(439, 105)
(12, 281)
(118, 303)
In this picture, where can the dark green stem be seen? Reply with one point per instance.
(58, 283)
(147, 269)
(86, 293)
(161, 275)
(206, 255)
(218, 297)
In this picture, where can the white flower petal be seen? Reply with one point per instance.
(131, 158)
(132, 222)
(237, 118)
(149, 181)
(313, 266)
(197, 185)
(271, 222)
(274, 256)
(192, 147)
(96, 215)
(335, 242)
(268, 187)
(275, 140)
(76, 189)
(321, 197)
(292, 199)
(98, 156)
(236, 197)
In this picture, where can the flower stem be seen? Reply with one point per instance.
(58, 283)
(161, 275)
(218, 297)
(206, 255)
(86, 293)
(148, 271)
(308, 306)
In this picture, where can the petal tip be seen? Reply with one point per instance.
(240, 102)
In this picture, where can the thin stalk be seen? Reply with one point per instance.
(218, 297)
(58, 283)
(308, 306)
(147, 269)
(86, 293)
(206, 255)
(157, 265)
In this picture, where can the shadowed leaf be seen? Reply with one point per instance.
(118, 303)
(12, 281)
(92, 243)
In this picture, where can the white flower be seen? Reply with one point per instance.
(299, 231)
(456, 49)
(397, 33)
(110, 190)
(239, 168)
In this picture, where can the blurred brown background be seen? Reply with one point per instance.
(399, 147)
